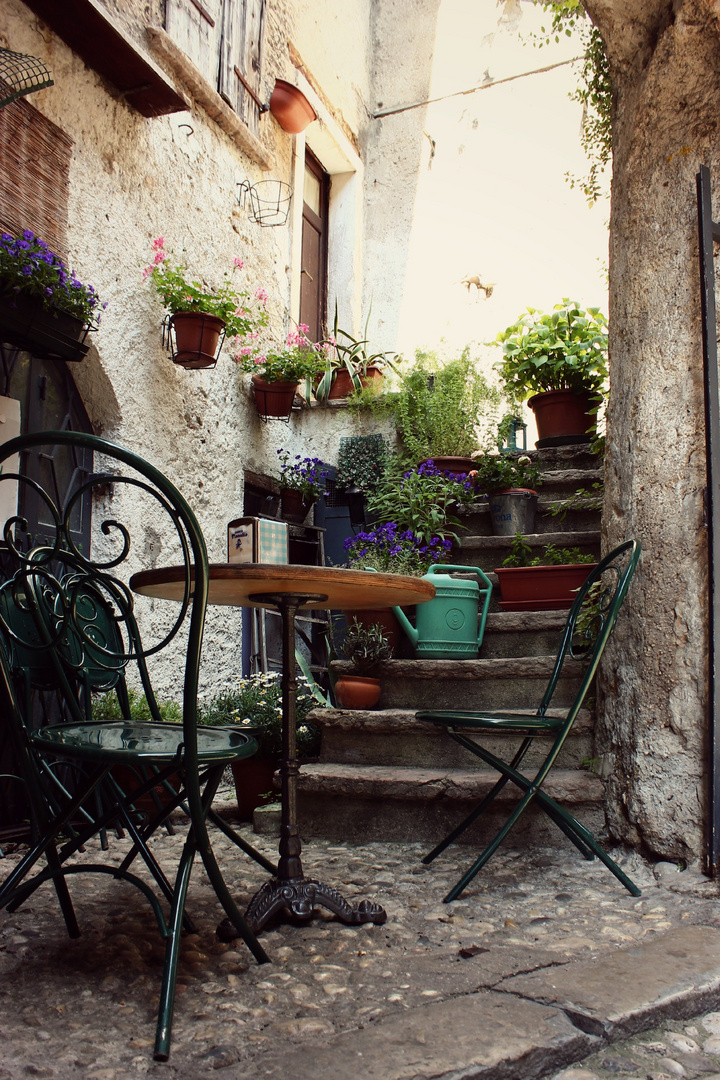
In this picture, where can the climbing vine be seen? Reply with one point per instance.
(594, 93)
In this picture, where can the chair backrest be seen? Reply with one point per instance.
(591, 621)
(68, 620)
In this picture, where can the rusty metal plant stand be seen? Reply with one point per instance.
(290, 890)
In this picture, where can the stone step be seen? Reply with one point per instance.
(561, 458)
(395, 737)
(358, 803)
(518, 634)
(475, 519)
(512, 683)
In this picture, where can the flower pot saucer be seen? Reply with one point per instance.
(562, 603)
(563, 440)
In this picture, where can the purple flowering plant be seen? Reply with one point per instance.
(390, 549)
(301, 474)
(421, 499)
(29, 267)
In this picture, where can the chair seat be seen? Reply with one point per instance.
(151, 742)
(510, 723)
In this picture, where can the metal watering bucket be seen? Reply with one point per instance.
(513, 511)
(447, 626)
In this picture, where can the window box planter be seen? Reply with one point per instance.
(50, 334)
(541, 588)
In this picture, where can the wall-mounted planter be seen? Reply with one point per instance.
(274, 401)
(541, 588)
(50, 334)
(291, 108)
(194, 338)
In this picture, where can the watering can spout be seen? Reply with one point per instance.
(407, 626)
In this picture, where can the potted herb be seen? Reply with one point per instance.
(200, 317)
(439, 408)
(365, 646)
(301, 481)
(277, 372)
(351, 365)
(558, 361)
(542, 582)
(254, 706)
(43, 306)
(510, 482)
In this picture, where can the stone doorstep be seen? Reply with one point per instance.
(394, 721)
(388, 782)
(528, 1026)
(584, 538)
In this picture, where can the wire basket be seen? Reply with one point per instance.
(267, 202)
(20, 75)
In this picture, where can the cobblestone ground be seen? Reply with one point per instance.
(87, 1007)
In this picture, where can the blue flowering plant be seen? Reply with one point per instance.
(28, 267)
(421, 500)
(390, 549)
(305, 475)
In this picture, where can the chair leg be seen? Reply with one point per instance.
(172, 953)
(241, 843)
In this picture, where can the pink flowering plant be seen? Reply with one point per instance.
(178, 291)
(299, 359)
(28, 267)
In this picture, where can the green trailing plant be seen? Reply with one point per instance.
(582, 499)
(594, 93)
(365, 646)
(440, 406)
(496, 472)
(254, 705)
(421, 500)
(521, 554)
(566, 348)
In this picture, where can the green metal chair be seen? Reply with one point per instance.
(588, 627)
(69, 631)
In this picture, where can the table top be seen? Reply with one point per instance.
(248, 584)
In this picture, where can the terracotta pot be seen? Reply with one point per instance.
(357, 692)
(273, 399)
(540, 588)
(562, 416)
(343, 386)
(253, 779)
(290, 107)
(451, 464)
(295, 506)
(197, 338)
(387, 619)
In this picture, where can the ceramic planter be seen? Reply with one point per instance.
(274, 401)
(290, 107)
(295, 505)
(195, 338)
(52, 334)
(562, 417)
(541, 588)
(357, 692)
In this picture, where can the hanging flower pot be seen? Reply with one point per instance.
(274, 400)
(291, 108)
(295, 505)
(195, 338)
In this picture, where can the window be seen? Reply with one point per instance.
(313, 274)
(223, 38)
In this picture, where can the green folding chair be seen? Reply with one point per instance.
(588, 627)
(69, 633)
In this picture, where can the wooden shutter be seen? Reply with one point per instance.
(240, 66)
(34, 175)
(196, 27)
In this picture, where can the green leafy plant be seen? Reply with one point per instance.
(521, 554)
(254, 705)
(299, 359)
(496, 472)
(421, 500)
(365, 646)
(180, 292)
(582, 499)
(107, 707)
(344, 352)
(440, 406)
(29, 268)
(361, 461)
(564, 349)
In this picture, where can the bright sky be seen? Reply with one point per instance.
(492, 201)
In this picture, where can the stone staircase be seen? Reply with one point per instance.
(384, 775)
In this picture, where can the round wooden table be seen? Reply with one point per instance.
(289, 589)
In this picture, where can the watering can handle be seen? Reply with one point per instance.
(486, 588)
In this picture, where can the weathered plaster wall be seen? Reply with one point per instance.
(133, 179)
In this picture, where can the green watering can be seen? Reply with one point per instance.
(447, 626)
